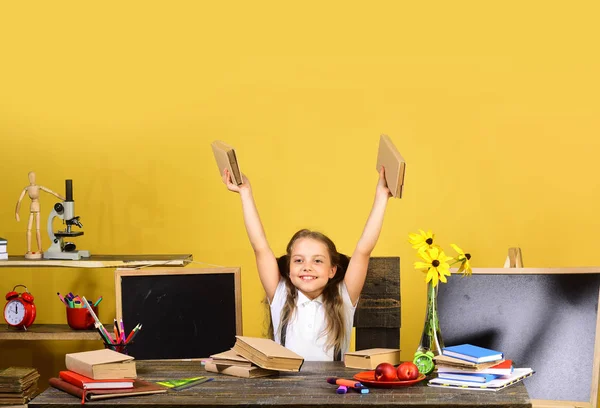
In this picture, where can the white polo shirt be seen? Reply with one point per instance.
(304, 330)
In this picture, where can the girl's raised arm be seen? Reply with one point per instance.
(357, 268)
(268, 271)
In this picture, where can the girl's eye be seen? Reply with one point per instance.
(319, 261)
(297, 260)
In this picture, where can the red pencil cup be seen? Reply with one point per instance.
(79, 318)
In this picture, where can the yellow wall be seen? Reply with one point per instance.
(495, 107)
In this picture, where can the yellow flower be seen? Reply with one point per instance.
(422, 240)
(465, 265)
(436, 265)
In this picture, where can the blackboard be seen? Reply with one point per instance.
(185, 313)
(546, 319)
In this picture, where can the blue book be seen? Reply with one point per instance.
(474, 354)
(470, 377)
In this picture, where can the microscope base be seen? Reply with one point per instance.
(73, 256)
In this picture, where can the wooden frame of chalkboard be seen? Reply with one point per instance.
(482, 298)
(186, 313)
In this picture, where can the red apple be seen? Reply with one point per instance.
(408, 371)
(385, 372)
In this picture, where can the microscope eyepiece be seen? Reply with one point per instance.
(69, 190)
(58, 207)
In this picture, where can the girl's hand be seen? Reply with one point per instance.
(231, 186)
(382, 188)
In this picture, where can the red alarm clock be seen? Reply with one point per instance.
(19, 310)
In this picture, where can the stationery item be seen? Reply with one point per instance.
(230, 357)
(184, 383)
(80, 318)
(226, 159)
(239, 371)
(62, 299)
(499, 383)
(469, 377)
(369, 359)
(132, 333)
(17, 379)
(97, 302)
(503, 368)
(101, 364)
(448, 361)
(342, 381)
(472, 353)
(390, 158)
(267, 354)
(139, 388)
(87, 383)
(342, 389)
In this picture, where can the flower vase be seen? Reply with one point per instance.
(431, 339)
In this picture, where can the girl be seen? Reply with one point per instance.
(312, 290)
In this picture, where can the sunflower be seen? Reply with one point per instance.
(422, 240)
(465, 265)
(436, 265)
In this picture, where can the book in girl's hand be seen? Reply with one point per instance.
(87, 383)
(472, 353)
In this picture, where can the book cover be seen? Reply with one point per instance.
(369, 359)
(183, 383)
(230, 357)
(265, 353)
(101, 364)
(239, 371)
(503, 368)
(469, 377)
(139, 388)
(448, 361)
(472, 353)
(226, 158)
(17, 379)
(518, 374)
(390, 158)
(87, 383)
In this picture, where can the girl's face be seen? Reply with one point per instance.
(310, 267)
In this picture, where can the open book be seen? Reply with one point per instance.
(226, 159)
(265, 353)
(390, 158)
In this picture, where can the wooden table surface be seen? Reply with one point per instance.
(306, 388)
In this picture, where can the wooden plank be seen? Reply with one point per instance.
(102, 261)
(47, 332)
(304, 389)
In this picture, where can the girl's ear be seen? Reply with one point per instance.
(332, 271)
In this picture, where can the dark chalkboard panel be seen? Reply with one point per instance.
(185, 313)
(546, 321)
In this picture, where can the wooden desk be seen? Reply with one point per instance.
(307, 388)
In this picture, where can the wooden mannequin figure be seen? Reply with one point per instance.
(33, 190)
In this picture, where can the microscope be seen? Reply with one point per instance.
(61, 249)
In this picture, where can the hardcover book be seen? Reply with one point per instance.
(448, 361)
(265, 353)
(239, 371)
(227, 159)
(139, 388)
(17, 379)
(469, 377)
(369, 359)
(474, 354)
(87, 383)
(230, 357)
(101, 364)
(390, 158)
(503, 368)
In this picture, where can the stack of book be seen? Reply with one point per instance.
(231, 363)
(3, 250)
(472, 367)
(101, 374)
(18, 385)
(254, 357)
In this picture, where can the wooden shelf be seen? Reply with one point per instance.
(101, 261)
(47, 332)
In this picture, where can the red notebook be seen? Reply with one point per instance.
(139, 388)
(87, 383)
